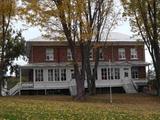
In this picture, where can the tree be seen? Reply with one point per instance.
(145, 21)
(97, 19)
(11, 42)
(80, 22)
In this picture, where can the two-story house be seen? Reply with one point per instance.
(50, 69)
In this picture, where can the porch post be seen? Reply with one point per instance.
(110, 86)
(20, 81)
(33, 76)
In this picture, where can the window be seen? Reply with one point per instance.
(72, 74)
(63, 74)
(39, 75)
(133, 53)
(125, 74)
(69, 55)
(134, 72)
(50, 74)
(56, 74)
(117, 73)
(121, 53)
(112, 73)
(91, 54)
(104, 73)
(109, 74)
(49, 54)
(101, 54)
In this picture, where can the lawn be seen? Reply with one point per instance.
(124, 107)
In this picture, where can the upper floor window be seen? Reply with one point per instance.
(49, 54)
(69, 54)
(91, 54)
(134, 53)
(101, 57)
(121, 53)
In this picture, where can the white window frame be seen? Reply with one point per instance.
(104, 74)
(69, 55)
(49, 54)
(63, 75)
(57, 74)
(134, 73)
(101, 55)
(121, 54)
(116, 73)
(133, 52)
(72, 74)
(51, 75)
(39, 75)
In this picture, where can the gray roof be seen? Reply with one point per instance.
(70, 64)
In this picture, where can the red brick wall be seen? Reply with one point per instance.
(38, 54)
(142, 72)
(60, 53)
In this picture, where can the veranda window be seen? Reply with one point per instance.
(39, 75)
(50, 75)
(104, 73)
(63, 74)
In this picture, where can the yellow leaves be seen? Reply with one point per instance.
(126, 107)
(7, 7)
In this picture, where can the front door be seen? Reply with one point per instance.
(126, 74)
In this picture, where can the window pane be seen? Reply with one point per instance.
(56, 74)
(117, 73)
(104, 73)
(49, 54)
(134, 72)
(121, 53)
(69, 54)
(39, 75)
(133, 53)
(101, 54)
(72, 74)
(50, 74)
(63, 74)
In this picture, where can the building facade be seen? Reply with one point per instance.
(122, 64)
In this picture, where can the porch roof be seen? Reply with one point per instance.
(70, 64)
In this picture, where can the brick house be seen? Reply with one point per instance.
(50, 70)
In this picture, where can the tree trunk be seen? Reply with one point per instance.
(93, 86)
(1, 81)
(157, 70)
(86, 52)
(79, 84)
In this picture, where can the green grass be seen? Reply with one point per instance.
(124, 107)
